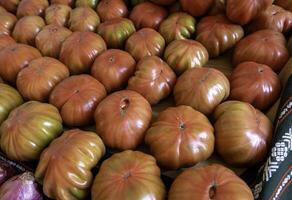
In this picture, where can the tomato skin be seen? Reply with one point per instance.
(131, 175)
(110, 9)
(218, 34)
(196, 7)
(15, 57)
(77, 97)
(83, 19)
(35, 125)
(90, 3)
(265, 47)
(153, 79)
(7, 22)
(58, 14)
(163, 2)
(9, 99)
(32, 8)
(148, 15)
(10, 5)
(63, 2)
(145, 42)
(209, 182)
(131, 114)
(246, 140)
(249, 81)
(6, 40)
(116, 31)
(113, 68)
(286, 4)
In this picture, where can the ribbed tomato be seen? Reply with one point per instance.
(180, 137)
(130, 175)
(131, 114)
(196, 7)
(90, 3)
(35, 125)
(7, 22)
(37, 80)
(109, 9)
(57, 14)
(209, 182)
(77, 97)
(65, 166)
(32, 7)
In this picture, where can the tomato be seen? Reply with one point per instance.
(58, 14)
(243, 134)
(180, 137)
(7, 22)
(80, 49)
(243, 11)
(134, 2)
(256, 84)
(130, 175)
(275, 18)
(177, 26)
(201, 88)
(145, 42)
(15, 57)
(113, 68)
(153, 79)
(209, 182)
(35, 125)
(163, 2)
(27, 28)
(265, 47)
(286, 4)
(218, 7)
(83, 19)
(65, 166)
(116, 31)
(185, 54)
(289, 45)
(9, 99)
(148, 15)
(10, 5)
(131, 114)
(49, 40)
(2, 9)
(218, 34)
(37, 80)
(31, 7)
(6, 40)
(196, 7)
(77, 97)
(109, 9)
(63, 2)
(90, 3)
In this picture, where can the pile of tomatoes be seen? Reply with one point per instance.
(66, 65)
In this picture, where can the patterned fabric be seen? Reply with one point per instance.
(275, 176)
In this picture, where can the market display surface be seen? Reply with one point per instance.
(145, 99)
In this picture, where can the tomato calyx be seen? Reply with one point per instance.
(124, 105)
(212, 191)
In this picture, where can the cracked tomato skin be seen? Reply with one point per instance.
(77, 97)
(148, 15)
(181, 55)
(83, 19)
(130, 175)
(27, 28)
(37, 80)
(249, 82)
(113, 68)
(32, 7)
(243, 133)
(7, 22)
(110, 9)
(79, 51)
(209, 182)
(243, 11)
(49, 40)
(180, 137)
(64, 168)
(201, 88)
(265, 47)
(10, 5)
(9, 99)
(177, 26)
(275, 18)
(116, 31)
(131, 114)
(5, 41)
(196, 7)
(286, 4)
(153, 79)
(218, 34)
(15, 57)
(145, 42)
(35, 125)
(58, 14)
